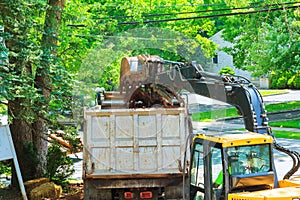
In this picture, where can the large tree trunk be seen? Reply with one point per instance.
(20, 128)
(30, 136)
(42, 79)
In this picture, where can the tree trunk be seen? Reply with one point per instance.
(30, 136)
(42, 79)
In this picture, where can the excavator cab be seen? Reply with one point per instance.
(230, 163)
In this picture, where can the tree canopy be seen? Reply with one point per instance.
(59, 49)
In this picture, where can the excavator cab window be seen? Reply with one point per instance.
(217, 171)
(206, 166)
(249, 165)
(249, 159)
(197, 173)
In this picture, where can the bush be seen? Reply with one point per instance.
(287, 79)
(5, 167)
(294, 82)
(59, 165)
(282, 82)
(226, 70)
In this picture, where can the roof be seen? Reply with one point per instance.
(228, 139)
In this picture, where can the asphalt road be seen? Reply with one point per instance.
(283, 162)
(292, 95)
(200, 103)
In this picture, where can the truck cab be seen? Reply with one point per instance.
(230, 163)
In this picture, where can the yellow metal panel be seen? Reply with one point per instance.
(245, 196)
(290, 193)
(295, 181)
(238, 139)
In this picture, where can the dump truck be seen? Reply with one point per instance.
(135, 153)
(139, 143)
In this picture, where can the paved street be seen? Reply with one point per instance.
(200, 103)
(293, 95)
(283, 162)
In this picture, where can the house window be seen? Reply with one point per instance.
(215, 59)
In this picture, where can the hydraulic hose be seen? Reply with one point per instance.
(294, 155)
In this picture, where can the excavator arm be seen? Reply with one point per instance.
(159, 81)
(235, 90)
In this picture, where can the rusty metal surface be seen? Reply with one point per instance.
(139, 70)
(137, 79)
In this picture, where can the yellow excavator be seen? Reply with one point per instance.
(236, 165)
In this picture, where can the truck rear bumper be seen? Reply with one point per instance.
(133, 180)
(106, 187)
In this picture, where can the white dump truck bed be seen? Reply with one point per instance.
(134, 142)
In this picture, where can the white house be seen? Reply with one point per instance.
(222, 59)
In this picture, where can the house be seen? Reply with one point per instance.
(222, 59)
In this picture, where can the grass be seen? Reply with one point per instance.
(287, 134)
(287, 123)
(272, 92)
(232, 112)
(215, 114)
(283, 106)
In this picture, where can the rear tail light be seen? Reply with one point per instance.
(128, 195)
(146, 195)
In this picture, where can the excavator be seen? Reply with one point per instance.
(234, 165)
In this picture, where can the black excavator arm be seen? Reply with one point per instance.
(162, 80)
(235, 90)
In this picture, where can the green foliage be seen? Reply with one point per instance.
(33, 78)
(273, 45)
(94, 31)
(285, 79)
(59, 165)
(27, 58)
(3, 109)
(5, 167)
(227, 70)
(294, 81)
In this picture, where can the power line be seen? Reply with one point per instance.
(207, 16)
(195, 12)
(200, 11)
(173, 5)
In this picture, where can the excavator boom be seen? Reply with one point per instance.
(162, 80)
(235, 90)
